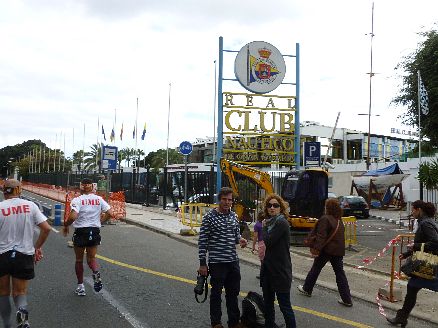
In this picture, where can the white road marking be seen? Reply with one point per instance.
(120, 308)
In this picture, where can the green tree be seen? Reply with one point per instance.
(90, 158)
(157, 159)
(425, 60)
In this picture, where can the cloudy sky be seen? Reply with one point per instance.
(67, 63)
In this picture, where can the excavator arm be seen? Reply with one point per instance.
(260, 178)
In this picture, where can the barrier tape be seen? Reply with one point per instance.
(367, 261)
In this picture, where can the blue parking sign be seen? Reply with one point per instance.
(312, 153)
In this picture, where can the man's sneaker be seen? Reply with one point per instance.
(80, 290)
(340, 301)
(22, 318)
(304, 292)
(97, 282)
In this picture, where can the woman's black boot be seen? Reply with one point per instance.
(400, 319)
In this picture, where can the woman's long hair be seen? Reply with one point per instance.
(283, 205)
(428, 209)
(333, 208)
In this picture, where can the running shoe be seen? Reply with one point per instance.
(22, 318)
(97, 282)
(80, 291)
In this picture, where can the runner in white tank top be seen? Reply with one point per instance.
(86, 217)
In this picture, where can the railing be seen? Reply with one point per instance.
(192, 213)
(401, 241)
(350, 224)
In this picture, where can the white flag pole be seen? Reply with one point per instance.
(419, 115)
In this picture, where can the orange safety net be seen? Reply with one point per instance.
(116, 200)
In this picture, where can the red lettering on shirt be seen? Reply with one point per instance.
(90, 202)
(17, 210)
(6, 213)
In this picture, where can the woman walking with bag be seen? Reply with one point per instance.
(276, 270)
(330, 243)
(427, 233)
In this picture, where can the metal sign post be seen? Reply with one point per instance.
(185, 148)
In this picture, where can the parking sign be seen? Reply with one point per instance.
(312, 153)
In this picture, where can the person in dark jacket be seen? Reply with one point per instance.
(427, 233)
(276, 268)
(332, 250)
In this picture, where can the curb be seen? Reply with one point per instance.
(397, 222)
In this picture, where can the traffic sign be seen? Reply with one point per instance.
(185, 148)
(109, 158)
(312, 154)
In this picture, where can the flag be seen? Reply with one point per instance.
(112, 136)
(424, 99)
(144, 132)
(103, 132)
(133, 133)
(121, 133)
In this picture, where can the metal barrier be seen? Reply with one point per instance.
(192, 213)
(47, 211)
(350, 224)
(404, 240)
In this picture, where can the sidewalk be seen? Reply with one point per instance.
(364, 283)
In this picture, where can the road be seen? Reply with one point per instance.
(148, 282)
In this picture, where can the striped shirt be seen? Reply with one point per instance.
(218, 236)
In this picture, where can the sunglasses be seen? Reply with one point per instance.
(274, 205)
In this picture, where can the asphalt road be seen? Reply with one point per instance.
(148, 282)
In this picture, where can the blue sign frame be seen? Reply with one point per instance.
(109, 158)
(312, 153)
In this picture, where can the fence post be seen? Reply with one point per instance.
(57, 221)
(147, 185)
(165, 187)
(421, 190)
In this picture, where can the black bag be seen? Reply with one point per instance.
(253, 311)
(421, 264)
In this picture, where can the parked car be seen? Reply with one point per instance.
(196, 198)
(355, 206)
(331, 195)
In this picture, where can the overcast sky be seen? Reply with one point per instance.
(66, 63)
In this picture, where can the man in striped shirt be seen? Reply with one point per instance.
(218, 237)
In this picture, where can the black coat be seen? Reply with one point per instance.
(426, 233)
(277, 265)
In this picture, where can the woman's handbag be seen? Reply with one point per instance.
(311, 239)
(421, 264)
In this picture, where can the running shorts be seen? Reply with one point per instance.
(17, 265)
(86, 237)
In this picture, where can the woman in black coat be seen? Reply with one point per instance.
(427, 233)
(276, 270)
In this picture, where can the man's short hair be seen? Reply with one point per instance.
(86, 181)
(10, 185)
(224, 191)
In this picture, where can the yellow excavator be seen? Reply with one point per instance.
(305, 191)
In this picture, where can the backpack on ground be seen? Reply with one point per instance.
(253, 311)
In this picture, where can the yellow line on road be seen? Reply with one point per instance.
(193, 282)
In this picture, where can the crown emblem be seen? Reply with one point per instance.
(264, 53)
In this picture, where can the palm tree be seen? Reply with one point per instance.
(90, 158)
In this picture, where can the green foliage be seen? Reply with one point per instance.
(428, 174)
(157, 159)
(425, 60)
